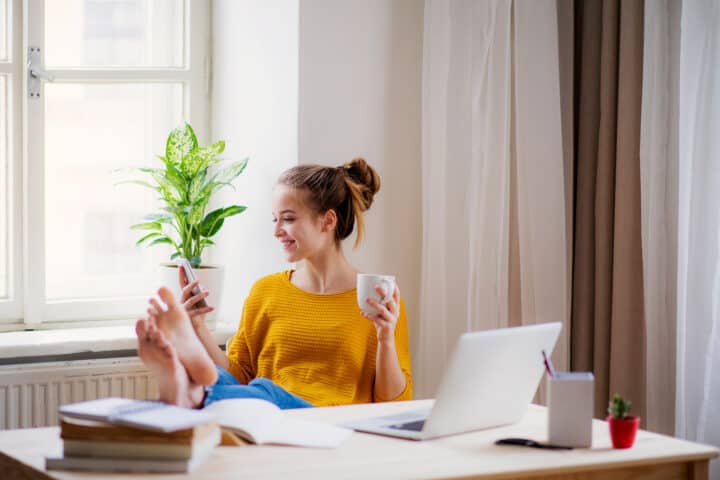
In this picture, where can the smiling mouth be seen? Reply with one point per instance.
(288, 243)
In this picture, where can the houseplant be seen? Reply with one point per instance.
(623, 426)
(187, 179)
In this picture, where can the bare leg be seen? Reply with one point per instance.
(160, 357)
(175, 324)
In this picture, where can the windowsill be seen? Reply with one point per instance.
(73, 343)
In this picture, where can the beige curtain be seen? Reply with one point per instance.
(608, 324)
(494, 225)
(659, 173)
(538, 253)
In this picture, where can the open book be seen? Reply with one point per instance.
(255, 420)
(262, 422)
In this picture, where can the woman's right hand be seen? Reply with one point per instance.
(190, 302)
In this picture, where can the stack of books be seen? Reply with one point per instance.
(122, 435)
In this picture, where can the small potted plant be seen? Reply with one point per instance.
(186, 181)
(623, 426)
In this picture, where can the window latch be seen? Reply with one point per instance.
(35, 73)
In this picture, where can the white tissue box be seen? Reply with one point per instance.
(570, 408)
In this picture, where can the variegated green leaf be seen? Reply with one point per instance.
(201, 158)
(161, 240)
(191, 163)
(147, 226)
(211, 152)
(196, 185)
(177, 209)
(212, 222)
(180, 142)
(148, 236)
(161, 179)
(233, 210)
(159, 217)
(196, 214)
(177, 180)
(230, 173)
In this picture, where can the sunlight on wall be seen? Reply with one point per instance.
(255, 97)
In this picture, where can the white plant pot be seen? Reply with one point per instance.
(211, 279)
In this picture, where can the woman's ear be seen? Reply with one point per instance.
(329, 221)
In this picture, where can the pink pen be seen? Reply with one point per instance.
(548, 364)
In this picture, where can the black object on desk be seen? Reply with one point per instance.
(526, 442)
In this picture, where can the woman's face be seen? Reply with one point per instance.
(302, 232)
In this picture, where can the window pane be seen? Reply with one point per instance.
(114, 33)
(91, 131)
(4, 29)
(4, 189)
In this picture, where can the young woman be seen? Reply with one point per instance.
(302, 339)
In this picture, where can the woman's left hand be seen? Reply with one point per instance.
(386, 318)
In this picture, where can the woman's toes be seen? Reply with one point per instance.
(167, 296)
(140, 328)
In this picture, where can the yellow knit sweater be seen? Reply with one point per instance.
(318, 347)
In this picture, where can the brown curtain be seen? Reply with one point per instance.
(608, 324)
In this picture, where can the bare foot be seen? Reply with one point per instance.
(160, 357)
(175, 324)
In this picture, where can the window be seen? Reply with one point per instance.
(115, 77)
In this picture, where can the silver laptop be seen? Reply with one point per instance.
(490, 380)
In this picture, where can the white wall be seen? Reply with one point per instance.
(358, 67)
(360, 77)
(255, 98)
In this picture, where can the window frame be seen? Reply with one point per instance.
(27, 307)
(11, 309)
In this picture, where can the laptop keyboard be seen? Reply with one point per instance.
(415, 426)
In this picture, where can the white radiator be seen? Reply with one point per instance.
(30, 394)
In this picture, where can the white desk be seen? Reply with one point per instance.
(368, 456)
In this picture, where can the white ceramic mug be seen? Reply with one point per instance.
(366, 283)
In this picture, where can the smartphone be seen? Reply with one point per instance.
(184, 263)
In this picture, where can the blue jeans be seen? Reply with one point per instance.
(227, 386)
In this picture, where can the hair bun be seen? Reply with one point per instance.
(365, 177)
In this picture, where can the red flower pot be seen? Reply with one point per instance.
(623, 430)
